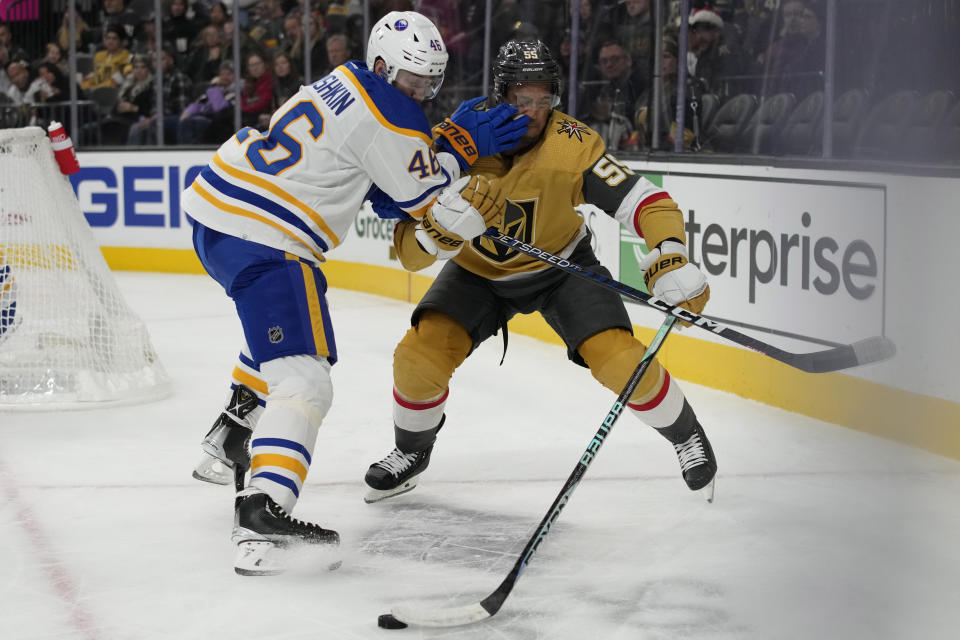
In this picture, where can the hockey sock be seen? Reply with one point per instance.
(662, 407)
(416, 423)
(247, 373)
(281, 454)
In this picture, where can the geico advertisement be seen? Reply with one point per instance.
(133, 200)
(803, 259)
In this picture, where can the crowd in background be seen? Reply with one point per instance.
(761, 48)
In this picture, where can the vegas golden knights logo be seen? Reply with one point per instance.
(518, 221)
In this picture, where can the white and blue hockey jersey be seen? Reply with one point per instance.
(299, 187)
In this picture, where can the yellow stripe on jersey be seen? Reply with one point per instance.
(277, 460)
(413, 133)
(249, 380)
(229, 208)
(316, 311)
(422, 211)
(280, 193)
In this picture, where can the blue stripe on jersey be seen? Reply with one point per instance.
(260, 401)
(266, 204)
(281, 442)
(249, 361)
(398, 108)
(412, 204)
(279, 479)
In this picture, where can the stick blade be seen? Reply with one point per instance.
(867, 351)
(452, 617)
(875, 349)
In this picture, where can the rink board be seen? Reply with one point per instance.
(798, 257)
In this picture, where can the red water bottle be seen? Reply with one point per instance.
(63, 149)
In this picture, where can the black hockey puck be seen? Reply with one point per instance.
(387, 621)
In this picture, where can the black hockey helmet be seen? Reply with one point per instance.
(525, 62)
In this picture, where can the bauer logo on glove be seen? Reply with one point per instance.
(670, 276)
(474, 132)
(459, 139)
(664, 264)
(463, 211)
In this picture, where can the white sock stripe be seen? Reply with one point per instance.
(665, 413)
(417, 416)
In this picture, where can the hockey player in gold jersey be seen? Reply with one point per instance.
(559, 164)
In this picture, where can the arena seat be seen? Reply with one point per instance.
(729, 120)
(759, 133)
(796, 134)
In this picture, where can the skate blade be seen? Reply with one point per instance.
(264, 558)
(708, 491)
(376, 495)
(212, 470)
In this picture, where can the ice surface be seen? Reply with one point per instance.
(817, 531)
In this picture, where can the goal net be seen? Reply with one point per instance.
(67, 338)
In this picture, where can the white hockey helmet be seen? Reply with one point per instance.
(409, 41)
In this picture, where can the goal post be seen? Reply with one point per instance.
(67, 337)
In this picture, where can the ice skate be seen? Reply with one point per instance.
(267, 538)
(225, 447)
(697, 462)
(396, 474)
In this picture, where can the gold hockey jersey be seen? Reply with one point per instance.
(569, 166)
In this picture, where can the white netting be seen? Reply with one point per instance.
(67, 338)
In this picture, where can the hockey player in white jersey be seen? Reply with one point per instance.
(270, 205)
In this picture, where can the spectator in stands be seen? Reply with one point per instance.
(293, 42)
(338, 50)
(268, 26)
(621, 88)
(203, 63)
(286, 79)
(257, 99)
(709, 59)
(6, 40)
(668, 104)
(85, 36)
(616, 129)
(634, 28)
(754, 19)
(54, 55)
(4, 78)
(336, 18)
(115, 12)
(247, 44)
(135, 100)
(111, 62)
(146, 41)
(218, 15)
(445, 14)
(178, 28)
(795, 61)
(210, 119)
(50, 85)
(177, 90)
(19, 74)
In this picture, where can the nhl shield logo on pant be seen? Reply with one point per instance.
(275, 334)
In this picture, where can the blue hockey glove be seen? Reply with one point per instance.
(474, 132)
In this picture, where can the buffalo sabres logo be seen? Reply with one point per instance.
(572, 128)
(400, 24)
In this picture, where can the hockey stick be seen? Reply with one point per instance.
(873, 349)
(400, 617)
